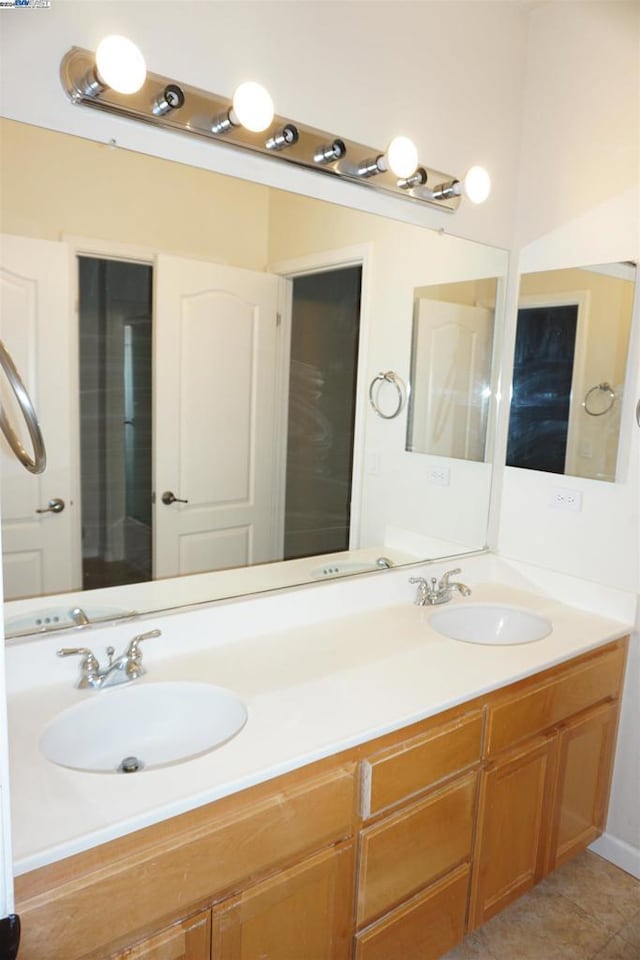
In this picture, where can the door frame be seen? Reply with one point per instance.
(581, 300)
(104, 250)
(358, 255)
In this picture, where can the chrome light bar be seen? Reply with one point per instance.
(163, 103)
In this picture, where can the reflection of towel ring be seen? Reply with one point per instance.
(39, 461)
(389, 377)
(603, 388)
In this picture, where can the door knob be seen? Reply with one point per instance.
(54, 506)
(168, 497)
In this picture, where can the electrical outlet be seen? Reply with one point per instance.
(564, 499)
(439, 475)
(373, 464)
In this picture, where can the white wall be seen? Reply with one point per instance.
(578, 203)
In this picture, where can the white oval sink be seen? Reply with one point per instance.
(150, 725)
(490, 623)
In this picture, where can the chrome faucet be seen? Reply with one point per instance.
(79, 617)
(433, 592)
(384, 563)
(127, 667)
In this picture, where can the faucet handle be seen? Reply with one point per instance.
(89, 658)
(423, 588)
(89, 668)
(134, 646)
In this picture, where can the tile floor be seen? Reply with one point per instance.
(586, 910)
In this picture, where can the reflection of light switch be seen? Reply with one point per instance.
(586, 449)
(439, 476)
(373, 463)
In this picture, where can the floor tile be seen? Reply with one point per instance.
(586, 910)
(618, 949)
(607, 894)
(631, 931)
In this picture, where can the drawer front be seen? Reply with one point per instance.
(425, 928)
(396, 774)
(147, 886)
(408, 850)
(530, 712)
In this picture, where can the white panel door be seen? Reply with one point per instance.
(217, 402)
(40, 554)
(453, 357)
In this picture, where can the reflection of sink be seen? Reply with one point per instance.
(154, 723)
(490, 623)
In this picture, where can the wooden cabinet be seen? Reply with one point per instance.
(405, 852)
(414, 862)
(189, 940)
(545, 799)
(513, 809)
(452, 819)
(304, 912)
(585, 764)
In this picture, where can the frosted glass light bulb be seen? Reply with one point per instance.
(402, 156)
(476, 184)
(120, 64)
(252, 106)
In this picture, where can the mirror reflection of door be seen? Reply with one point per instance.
(542, 385)
(114, 311)
(325, 328)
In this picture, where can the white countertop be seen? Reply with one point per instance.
(311, 691)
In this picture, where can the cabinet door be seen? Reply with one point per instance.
(305, 912)
(511, 837)
(586, 749)
(189, 940)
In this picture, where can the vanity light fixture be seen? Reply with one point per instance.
(283, 138)
(161, 102)
(171, 98)
(417, 179)
(400, 157)
(252, 108)
(475, 186)
(118, 64)
(329, 153)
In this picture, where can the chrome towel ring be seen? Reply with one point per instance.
(396, 381)
(38, 462)
(603, 387)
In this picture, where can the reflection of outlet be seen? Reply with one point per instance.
(565, 499)
(439, 476)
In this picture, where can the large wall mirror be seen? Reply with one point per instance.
(200, 351)
(570, 364)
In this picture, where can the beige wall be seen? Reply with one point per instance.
(52, 184)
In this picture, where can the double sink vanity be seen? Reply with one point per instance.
(386, 781)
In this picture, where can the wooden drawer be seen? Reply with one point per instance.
(425, 928)
(76, 907)
(525, 713)
(399, 772)
(408, 850)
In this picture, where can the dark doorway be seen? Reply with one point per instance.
(325, 328)
(542, 376)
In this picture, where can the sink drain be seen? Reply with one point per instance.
(130, 765)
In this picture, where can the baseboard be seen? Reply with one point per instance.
(619, 852)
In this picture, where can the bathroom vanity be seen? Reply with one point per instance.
(478, 773)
